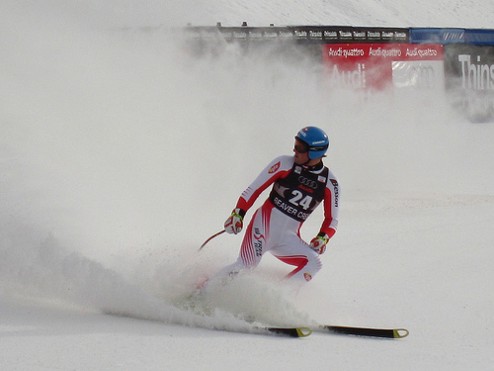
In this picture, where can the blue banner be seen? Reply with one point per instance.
(452, 36)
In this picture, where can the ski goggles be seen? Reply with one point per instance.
(301, 148)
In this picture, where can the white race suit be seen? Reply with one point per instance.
(275, 227)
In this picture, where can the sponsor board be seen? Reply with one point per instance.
(470, 67)
(336, 34)
(418, 74)
(375, 66)
(476, 36)
(469, 71)
(313, 34)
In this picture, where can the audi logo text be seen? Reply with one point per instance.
(307, 182)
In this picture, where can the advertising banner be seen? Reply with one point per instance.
(452, 36)
(301, 34)
(437, 35)
(377, 66)
(469, 67)
(469, 73)
(341, 34)
(479, 37)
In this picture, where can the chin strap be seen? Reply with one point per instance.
(317, 166)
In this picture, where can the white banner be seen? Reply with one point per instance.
(421, 74)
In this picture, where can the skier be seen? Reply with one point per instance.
(300, 182)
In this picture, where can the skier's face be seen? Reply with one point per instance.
(301, 152)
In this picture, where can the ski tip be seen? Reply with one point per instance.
(303, 331)
(400, 333)
(396, 333)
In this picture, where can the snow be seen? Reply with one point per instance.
(120, 155)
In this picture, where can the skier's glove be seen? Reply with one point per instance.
(318, 243)
(234, 223)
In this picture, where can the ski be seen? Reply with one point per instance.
(298, 332)
(396, 333)
(294, 332)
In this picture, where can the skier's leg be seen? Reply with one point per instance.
(254, 243)
(296, 252)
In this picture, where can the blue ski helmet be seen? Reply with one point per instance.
(316, 140)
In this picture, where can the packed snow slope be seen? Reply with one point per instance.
(120, 153)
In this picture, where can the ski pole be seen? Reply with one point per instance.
(210, 238)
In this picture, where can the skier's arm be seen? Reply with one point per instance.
(276, 169)
(330, 222)
(331, 207)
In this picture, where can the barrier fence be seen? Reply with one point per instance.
(459, 61)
